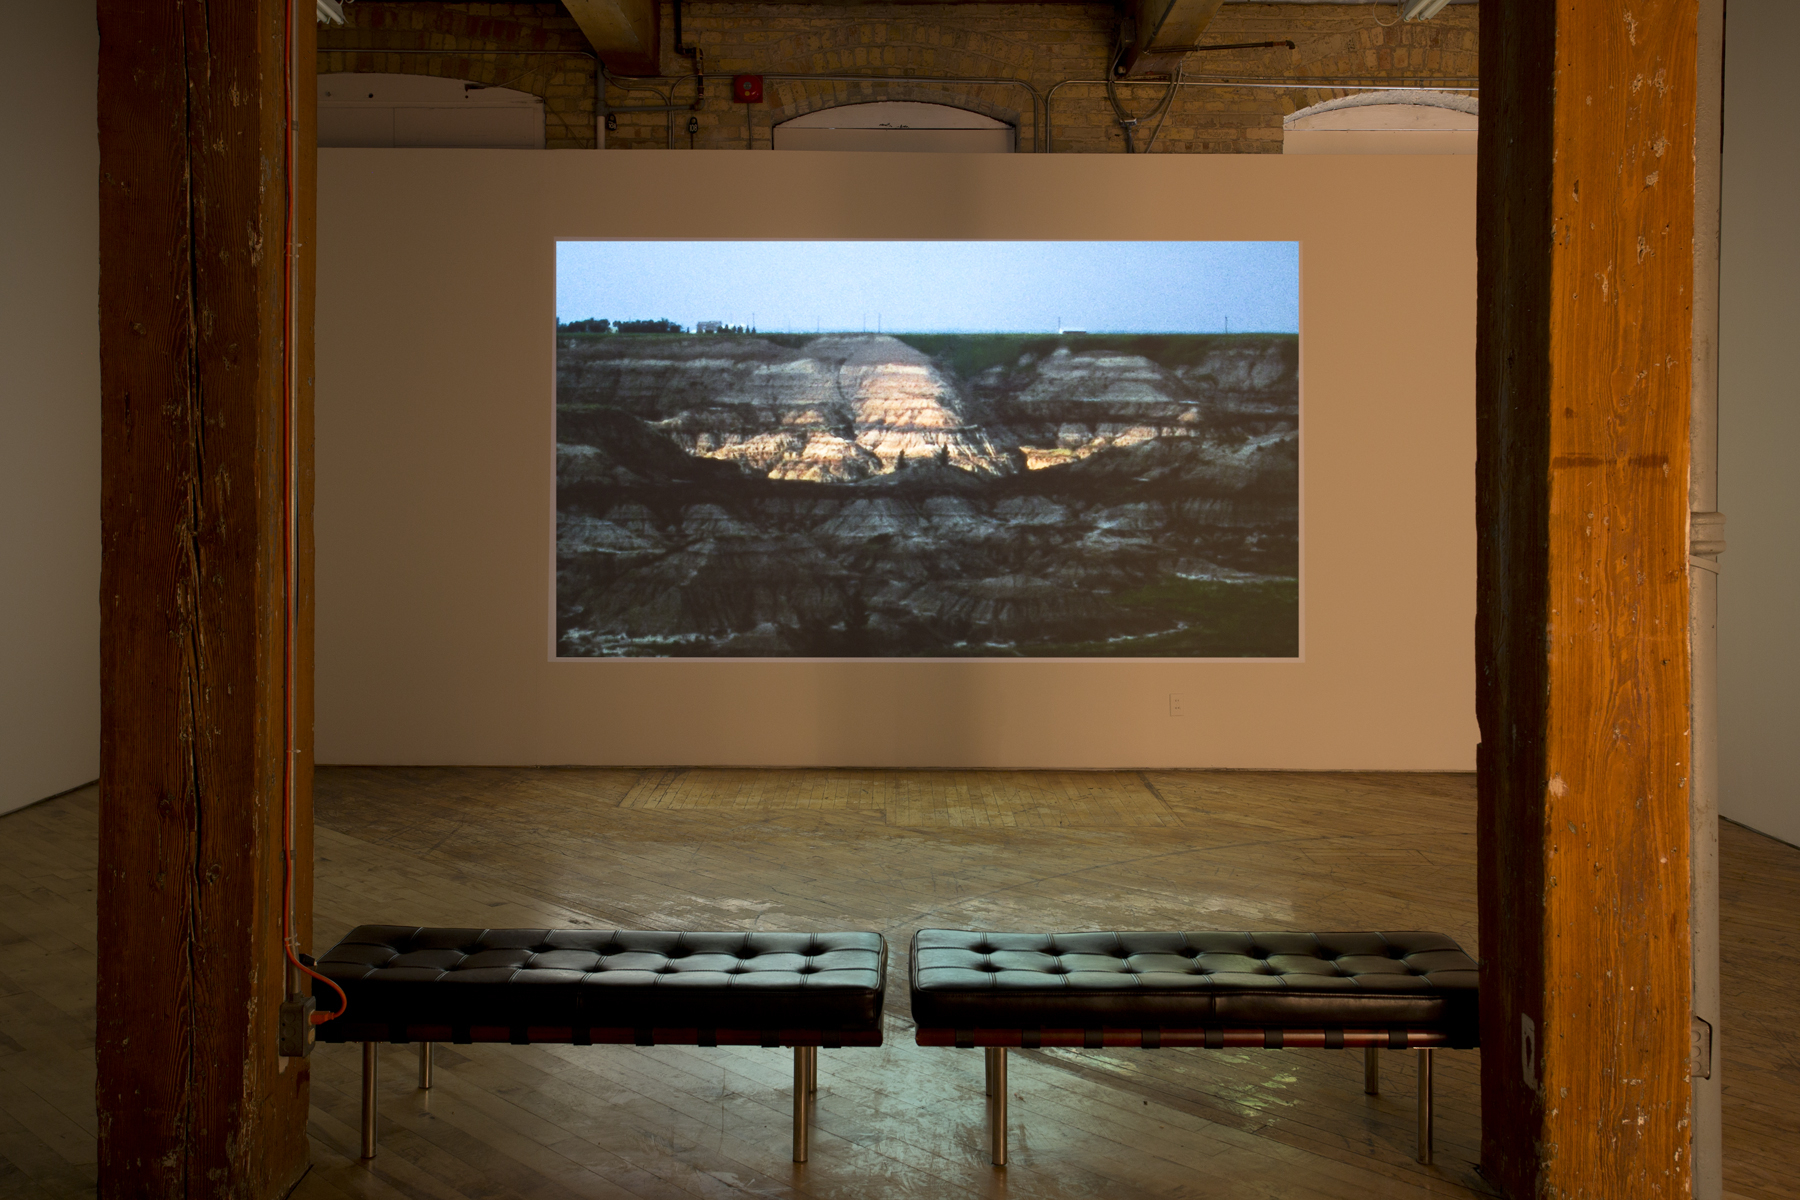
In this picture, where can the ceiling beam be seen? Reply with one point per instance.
(625, 34)
(1160, 32)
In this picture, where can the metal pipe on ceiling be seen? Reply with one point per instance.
(1282, 42)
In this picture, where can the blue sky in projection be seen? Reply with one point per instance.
(937, 287)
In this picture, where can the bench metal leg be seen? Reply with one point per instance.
(370, 1063)
(1425, 1104)
(987, 1069)
(1372, 1070)
(806, 1066)
(996, 1073)
(425, 1066)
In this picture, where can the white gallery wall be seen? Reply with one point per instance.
(420, 662)
(435, 421)
(49, 402)
(1759, 422)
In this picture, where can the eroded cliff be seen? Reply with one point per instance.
(878, 495)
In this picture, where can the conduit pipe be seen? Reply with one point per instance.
(632, 83)
(1275, 45)
(1447, 83)
(1128, 122)
(695, 53)
(296, 965)
(1706, 541)
(1043, 135)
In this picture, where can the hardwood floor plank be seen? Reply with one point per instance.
(741, 1096)
(798, 850)
(72, 1142)
(453, 1145)
(34, 1166)
(410, 1167)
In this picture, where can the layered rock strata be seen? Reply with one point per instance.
(856, 495)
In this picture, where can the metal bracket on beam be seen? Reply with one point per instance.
(1156, 30)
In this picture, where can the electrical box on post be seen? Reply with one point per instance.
(746, 89)
(296, 1027)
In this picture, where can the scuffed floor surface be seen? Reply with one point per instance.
(891, 851)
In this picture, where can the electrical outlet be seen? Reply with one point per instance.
(1700, 1048)
(1178, 704)
(296, 1027)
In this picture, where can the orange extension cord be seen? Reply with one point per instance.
(290, 562)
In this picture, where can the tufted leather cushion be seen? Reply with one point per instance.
(964, 979)
(412, 976)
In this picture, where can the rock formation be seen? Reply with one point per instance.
(881, 495)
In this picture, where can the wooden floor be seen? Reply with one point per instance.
(891, 851)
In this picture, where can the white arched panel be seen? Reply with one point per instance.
(1391, 122)
(368, 109)
(896, 125)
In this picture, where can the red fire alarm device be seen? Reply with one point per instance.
(746, 89)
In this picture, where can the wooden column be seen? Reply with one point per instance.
(193, 1098)
(1585, 235)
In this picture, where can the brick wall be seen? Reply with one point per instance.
(1042, 45)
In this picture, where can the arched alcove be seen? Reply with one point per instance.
(370, 109)
(1390, 122)
(896, 125)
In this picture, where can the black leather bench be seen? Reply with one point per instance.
(1209, 990)
(604, 987)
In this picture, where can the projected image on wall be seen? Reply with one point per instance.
(927, 449)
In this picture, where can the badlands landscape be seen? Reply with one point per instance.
(929, 495)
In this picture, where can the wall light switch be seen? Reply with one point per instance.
(1178, 704)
